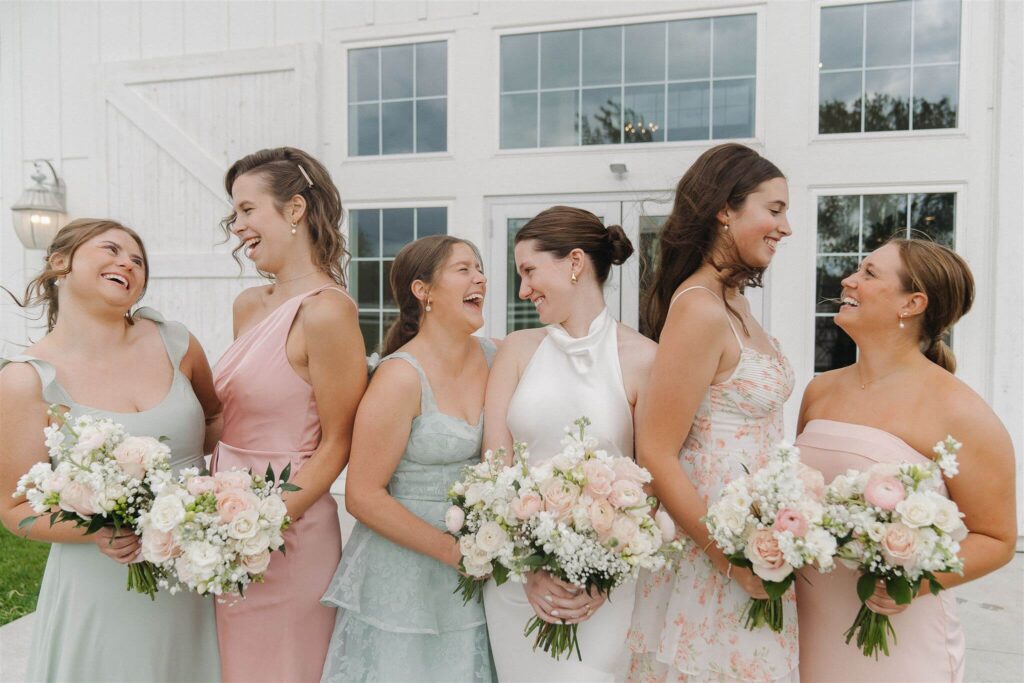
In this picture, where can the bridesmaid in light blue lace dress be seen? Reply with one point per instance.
(418, 426)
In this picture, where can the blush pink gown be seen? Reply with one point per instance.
(280, 631)
(930, 642)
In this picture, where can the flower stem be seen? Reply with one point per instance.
(872, 631)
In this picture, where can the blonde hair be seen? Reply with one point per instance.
(42, 289)
(945, 278)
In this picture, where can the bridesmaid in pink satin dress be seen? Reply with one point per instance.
(892, 406)
(290, 385)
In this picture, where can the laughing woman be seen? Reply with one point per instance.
(147, 374)
(419, 425)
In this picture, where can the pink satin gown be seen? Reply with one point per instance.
(280, 631)
(929, 643)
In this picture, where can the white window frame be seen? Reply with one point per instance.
(815, 58)
(759, 75)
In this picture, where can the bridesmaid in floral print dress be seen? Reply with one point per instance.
(711, 411)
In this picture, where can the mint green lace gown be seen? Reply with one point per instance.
(399, 619)
(87, 626)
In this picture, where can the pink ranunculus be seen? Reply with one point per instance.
(79, 498)
(766, 557)
(624, 529)
(158, 546)
(256, 564)
(814, 482)
(232, 501)
(232, 479)
(884, 492)
(200, 485)
(599, 478)
(602, 517)
(626, 494)
(526, 505)
(454, 519)
(559, 498)
(899, 544)
(790, 520)
(625, 468)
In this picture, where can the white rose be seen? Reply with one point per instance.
(474, 494)
(167, 512)
(732, 518)
(273, 510)
(477, 570)
(467, 544)
(875, 531)
(185, 571)
(256, 543)
(256, 563)
(479, 556)
(245, 524)
(917, 510)
(947, 516)
(562, 462)
(203, 557)
(490, 536)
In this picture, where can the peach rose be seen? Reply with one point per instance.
(899, 543)
(626, 493)
(232, 501)
(256, 564)
(79, 498)
(199, 485)
(158, 546)
(559, 498)
(526, 505)
(232, 479)
(764, 554)
(790, 520)
(624, 530)
(625, 468)
(602, 517)
(599, 478)
(130, 455)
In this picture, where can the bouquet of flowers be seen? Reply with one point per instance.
(103, 477)
(895, 526)
(584, 517)
(214, 534)
(772, 521)
(484, 518)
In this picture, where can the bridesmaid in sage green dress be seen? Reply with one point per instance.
(418, 426)
(149, 375)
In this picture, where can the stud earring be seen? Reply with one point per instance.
(726, 227)
(901, 321)
(294, 231)
(573, 279)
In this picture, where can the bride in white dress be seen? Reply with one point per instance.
(583, 363)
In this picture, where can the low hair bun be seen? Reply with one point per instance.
(621, 247)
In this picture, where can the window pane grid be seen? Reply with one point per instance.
(609, 112)
(892, 105)
(376, 307)
(383, 112)
(906, 212)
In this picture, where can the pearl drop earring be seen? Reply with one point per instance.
(901, 321)
(294, 231)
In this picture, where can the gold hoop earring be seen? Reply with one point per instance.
(573, 279)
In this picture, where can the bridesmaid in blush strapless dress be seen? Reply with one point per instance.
(929, 640)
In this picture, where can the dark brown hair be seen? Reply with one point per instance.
(288, 172)
(945, 278)
(418, 260)
(722, 176)
(42, 290)
(561, 229)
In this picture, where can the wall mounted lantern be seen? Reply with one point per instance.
(40, 212)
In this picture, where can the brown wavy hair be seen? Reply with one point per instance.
(945, 278)
(722, 176)
(418, 260)
(561, 229)
(282, 170)
(42, 289)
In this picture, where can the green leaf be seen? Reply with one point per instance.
(95, 524)
(933, 585)
(865, 586)
(286, 472)
(28, 521)
(776, 589)
(270, 473)
(500, 574)
(290, 487)
(899, 590)
(534, 561)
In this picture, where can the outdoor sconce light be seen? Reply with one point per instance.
(40, 213)
(618, 169)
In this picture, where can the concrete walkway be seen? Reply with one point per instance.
(991, 609)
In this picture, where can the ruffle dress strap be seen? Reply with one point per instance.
(174, 335)
(53, 392)
(427, 403)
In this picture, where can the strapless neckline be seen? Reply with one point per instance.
(867, 432)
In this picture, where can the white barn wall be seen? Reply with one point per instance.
(58, 59)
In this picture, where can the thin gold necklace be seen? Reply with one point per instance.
(863, 384)
(284, 282)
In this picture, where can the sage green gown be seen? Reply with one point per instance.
(88, 627)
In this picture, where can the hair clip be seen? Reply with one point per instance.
(305, 175)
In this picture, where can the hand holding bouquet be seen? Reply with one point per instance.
(103, 478)
(214, 534)
(771, 521)
(896, 527)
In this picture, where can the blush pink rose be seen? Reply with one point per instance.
(256, 564)
(899, 544)
(233, 501)
(200, 485)
(232, 479)
(131, 457)
(791, 520)
(559, 498)
(624, 530)
(158, 546)
(883, 492)
(814, 482)
(625, 468)
(79, 498)
(765, 556)
(599, 478)
(602, 516)
(526, 505)
(626, 494)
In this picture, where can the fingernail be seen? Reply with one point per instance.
(554, 613)
(549, 598)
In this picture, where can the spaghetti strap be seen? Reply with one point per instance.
(728, 317)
